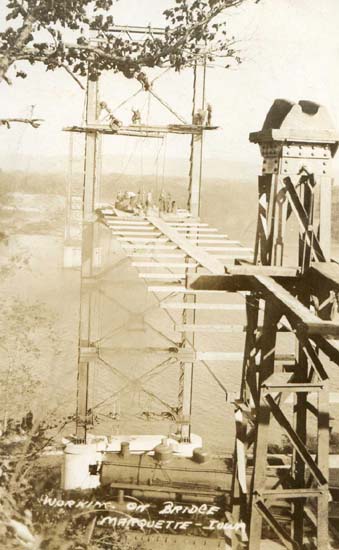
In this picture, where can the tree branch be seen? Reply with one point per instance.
(23, 37)
(35, 122)
(69, 71)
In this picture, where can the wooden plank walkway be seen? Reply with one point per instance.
(170, 248)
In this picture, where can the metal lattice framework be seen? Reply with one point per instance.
(297, 143)
(93, 129)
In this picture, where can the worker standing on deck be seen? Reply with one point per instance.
(209, 114)
(168, 203)
(149, 201)
(161, 202)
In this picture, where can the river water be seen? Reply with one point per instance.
(126, 382)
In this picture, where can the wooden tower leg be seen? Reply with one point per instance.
(292, 170)
(271, 317)
(195, 173)
(243, 418)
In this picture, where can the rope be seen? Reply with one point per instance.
(161, 74)
(157, 159)
(168, 107)
(164, 163)
(124, 102)
(123, 171)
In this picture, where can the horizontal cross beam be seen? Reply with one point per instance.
(300, 317)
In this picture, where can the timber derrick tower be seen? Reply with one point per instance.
(297, 143)
(288, 308)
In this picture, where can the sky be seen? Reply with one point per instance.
(290, 49)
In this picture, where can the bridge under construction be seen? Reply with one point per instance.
(289, 303)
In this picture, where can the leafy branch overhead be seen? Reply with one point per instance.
(57, 33)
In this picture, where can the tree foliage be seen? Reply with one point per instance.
(40, 31)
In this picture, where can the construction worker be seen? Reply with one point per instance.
(149, 201)
(209, 114)
(136, 116)
(199, 117)
(168, 203)
(114, 123)
(145, 83)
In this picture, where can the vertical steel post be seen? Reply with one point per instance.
(186, 369)
(86, 325)
(195, 174)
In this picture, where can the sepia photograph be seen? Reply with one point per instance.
(169, 274)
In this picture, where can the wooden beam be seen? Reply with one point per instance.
(211, 328)
(323, 273)
(163, 276)
(203, 306)
(194, 230)
(202, 240)
(333, 398)
(234, 257)
(297, 313)
(238, 249)
(329, 346)
(218, 328)
(226, 283)
(219, 356)
(149, 248)
(283, 382)
(132, 223)
(176, 288)
(288, 542)
(141, 130)
(189, 225)
(267, 270)
(163, 264)
(136, 233)
(191, 250)
(142, 240)
(156, 256)
(295, 440)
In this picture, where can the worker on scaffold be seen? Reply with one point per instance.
(143, 79)
(114, 122)
(209, 114)
(199, 117)
(136, 116)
